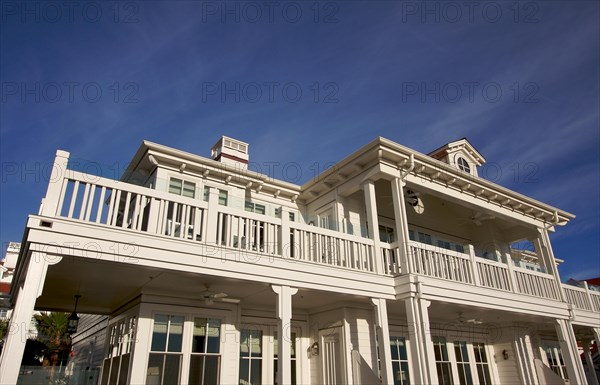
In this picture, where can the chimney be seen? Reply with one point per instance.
(231, 151)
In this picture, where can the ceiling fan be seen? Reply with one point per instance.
(412, 199)
(210, 297)
(478, 217)
(474, 321)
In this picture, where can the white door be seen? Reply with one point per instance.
(331, 356)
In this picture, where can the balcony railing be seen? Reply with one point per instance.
(582, 298)
(108, 203)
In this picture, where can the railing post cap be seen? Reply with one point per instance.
(62, 154)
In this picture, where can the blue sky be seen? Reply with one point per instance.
(308, 83)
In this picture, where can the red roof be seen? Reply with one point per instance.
(4, 287)
(593, 281)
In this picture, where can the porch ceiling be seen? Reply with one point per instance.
(105, 286)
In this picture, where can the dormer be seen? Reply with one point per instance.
(231, 151)
(460, 154)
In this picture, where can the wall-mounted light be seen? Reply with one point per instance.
(505, 354)
(73, 318)
(314, 349)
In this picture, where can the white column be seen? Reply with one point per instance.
(51, 201)
(546, 248)
(524, 356)
(373, 222)
(590, 363)
(29, 287)
(212, 216)
(141, 347)
(285, 246)
(422, 354)
(568, 346)
(383, 336)
(284, 336)
(401, 224)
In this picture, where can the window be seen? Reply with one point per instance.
(555, 360)
(481, 362)
(462, 363)
(205, 360)
(386, 234)
(425, 238)
(164, 362)
(223, 197)
(442, 362)
(206, 193)
(444, 244)
(181, 187)
(251, 357)
(116, 362)
(255, 208)
(399, 361)
(293, 357)
(463, 165)
(411, 235)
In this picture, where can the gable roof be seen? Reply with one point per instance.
(464, 142)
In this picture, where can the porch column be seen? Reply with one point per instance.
(422, 354)
(373, 222)
(212, 217)
(524, 356)
(30, 284)
(568, 346)
(590, 363)
(284, 323)
(141, 346)
(543, 244)
(52, 201)
(383, 336)
(401, 224)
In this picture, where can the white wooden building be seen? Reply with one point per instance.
(391, 267)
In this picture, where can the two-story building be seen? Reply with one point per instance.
(391, 267)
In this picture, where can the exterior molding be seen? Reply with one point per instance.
(568, 345)
(284, 319)
(422, 354)
(383, 336)
(28, 291)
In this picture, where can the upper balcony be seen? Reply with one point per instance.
(106, 204)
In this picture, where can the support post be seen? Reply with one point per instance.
(141, 347)
(511, 273)
(284, 319)
(422, 354)
(51, 202)
(474, 268)
(371, 205)
(568, 346)
(401, 224)
(212, 217)
(29, 287)
(544, 244)
(590, 363)
(383, 336)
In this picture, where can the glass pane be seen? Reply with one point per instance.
(155, 368)
(223, 197)
(189, 189)
(123, 373)
(199, 336)
(159, 336)
(256, 343)
(259, 209)
(405, 373)
(172, 366)
(483, 373)
(214, 333)
(244, 344)
(402, 349)
(249, 206)
(211, 370)
(175, 186)
(394, 348)
(176, 333)
(196, 369)
(244, 371)
(255, 372)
